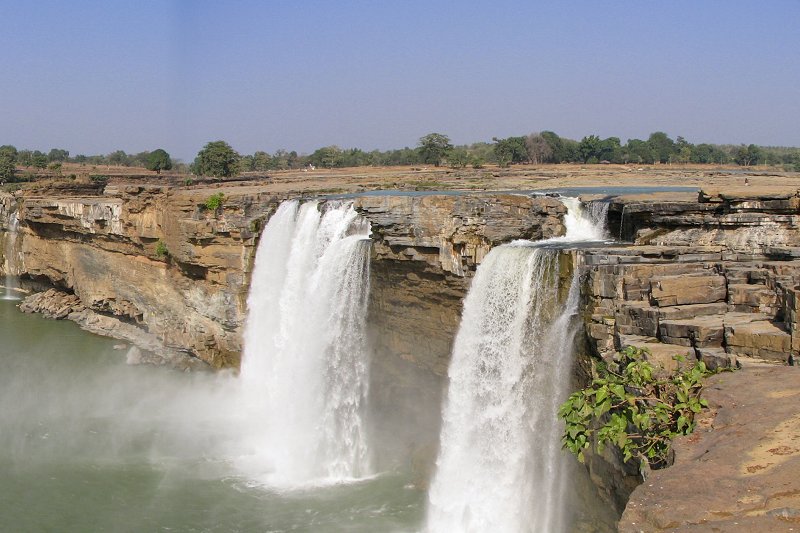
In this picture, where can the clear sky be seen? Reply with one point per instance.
(93, 77)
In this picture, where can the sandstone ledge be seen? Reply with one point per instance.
(738, 472)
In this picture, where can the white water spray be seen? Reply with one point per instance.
(500, 464)
(585, 222)
(304, 369)
(10, 267)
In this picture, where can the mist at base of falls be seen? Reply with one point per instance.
(89, 443)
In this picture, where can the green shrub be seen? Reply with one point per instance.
(628, 406)
(161, 250)
(214, 201)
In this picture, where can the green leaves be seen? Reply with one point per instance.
(434, 147)
(626, 406)
(214, 201)
(159, 160)
(216, 158)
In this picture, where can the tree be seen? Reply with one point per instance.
(458, 158)
(217, 158)
(8, 162)
(747, 155)
(57, 155)
(38, 159)
(434, 147)
(118, 157)
(326, 157)
(590, 149)
(663, 147)
(9, 151)
(683, 151)
(246, 163)
(510, 150)
(638, 151)
(539, 150)
(142, 159)
(159, 160)
(629, 405)
(293, 160)
(24, 158)
(610, 150)
(261, 161)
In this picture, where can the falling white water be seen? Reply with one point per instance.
(598, 213)
(304, 368)
(500, 464)
(585, 222)
(10, 267)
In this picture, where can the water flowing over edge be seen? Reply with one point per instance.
(585, 221)
(305, 368)
(11, 259)
(500, 465)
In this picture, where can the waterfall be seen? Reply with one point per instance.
(500, 465)
(598, 213)
(11, 269)
(585, 222)
(304, 369)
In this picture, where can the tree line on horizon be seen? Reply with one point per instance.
(11, 158)
(218, 158)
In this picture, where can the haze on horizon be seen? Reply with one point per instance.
(93, 77)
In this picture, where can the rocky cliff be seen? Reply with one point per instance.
(715, 278)
(149, 264)
(711, 275)
(154, 265)
(712, 278)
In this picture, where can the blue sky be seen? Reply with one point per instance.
(93, 77)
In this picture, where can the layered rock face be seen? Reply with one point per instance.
(712, 278)
(151, 258)
(155, 259)
(425, 250)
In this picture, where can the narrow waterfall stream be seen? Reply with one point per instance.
(500, 465)
(304, 369)
(11, 269)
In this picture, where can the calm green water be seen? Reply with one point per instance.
(88, 443)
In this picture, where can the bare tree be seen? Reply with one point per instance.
(539, 150)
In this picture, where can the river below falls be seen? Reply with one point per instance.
(89, 443)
